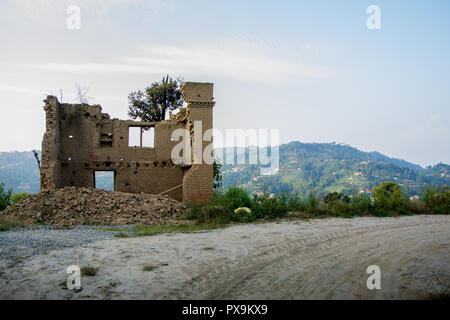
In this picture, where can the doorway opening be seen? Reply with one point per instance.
(104, 180)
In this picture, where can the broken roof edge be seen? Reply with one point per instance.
(98, 110)
(194, 94)
(49, 99)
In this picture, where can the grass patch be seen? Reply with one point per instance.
(15, 261)
(40, 222)
(88, 271)
(149, 268)
(120, 235)
(7, 223)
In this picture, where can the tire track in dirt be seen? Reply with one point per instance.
(320, 259)
(265, 266)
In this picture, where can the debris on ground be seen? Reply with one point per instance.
(72, 206)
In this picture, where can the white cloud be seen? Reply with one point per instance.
(16, 89)
(231, 62)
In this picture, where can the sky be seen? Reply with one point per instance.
(312, 69)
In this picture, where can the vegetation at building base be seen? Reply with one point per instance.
(8, 223)
(8, 198)
(388, 200)
(5, 197)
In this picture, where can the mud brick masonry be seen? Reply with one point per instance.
(80, 140)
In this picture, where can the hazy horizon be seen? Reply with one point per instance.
(252, 146)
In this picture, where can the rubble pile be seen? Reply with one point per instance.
(75, 206)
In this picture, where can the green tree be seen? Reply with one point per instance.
(16, 197)
(5, 197)
(437, 199)
(389, 196)
(152, 104)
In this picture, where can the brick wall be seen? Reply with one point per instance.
(80, 140)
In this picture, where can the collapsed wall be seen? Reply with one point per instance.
(80, 140)
(72, 206)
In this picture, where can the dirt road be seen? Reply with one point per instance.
(318, 259)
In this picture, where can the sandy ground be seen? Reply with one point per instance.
(317, 259)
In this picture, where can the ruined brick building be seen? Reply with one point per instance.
(80, 140)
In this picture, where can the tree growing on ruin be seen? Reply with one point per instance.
(152, 104)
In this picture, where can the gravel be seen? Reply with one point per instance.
(19, 243)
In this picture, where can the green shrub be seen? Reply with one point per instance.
(336, 204)
(417, 207)
(380, 212)
(335, 196)
(5, 197)
(312, 204)
(437, 199)
(39, 220)
(388, 200)
(296, 202)
(360, 205)
(270, 207)
(389, 196)
(16, 197)
(216, 213)
(338, 208)
(236, 197)
(88, 271)
(216, 210)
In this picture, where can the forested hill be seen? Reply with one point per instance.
(19, 171)
(304, 167)
(328, 167)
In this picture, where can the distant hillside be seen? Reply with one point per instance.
(19, 171)
(376, 156)
(328, 167)
(304, 167)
